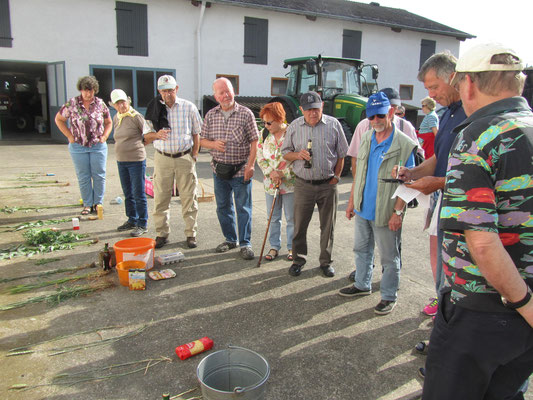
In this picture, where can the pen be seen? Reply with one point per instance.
(398, 169)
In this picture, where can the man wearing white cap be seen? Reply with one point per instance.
(174, 131)
(482, 341)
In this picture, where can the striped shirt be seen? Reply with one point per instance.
(185, 121)
(329, 145)
(238, 132)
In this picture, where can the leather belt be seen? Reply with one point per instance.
(176, 155)
(316, 182)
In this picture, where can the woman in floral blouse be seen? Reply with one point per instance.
(276, 171)
(90, 126)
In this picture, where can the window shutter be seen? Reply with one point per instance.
(132, 29)
(427, 49)
(255, 41)
(351, 43)
(5, 25)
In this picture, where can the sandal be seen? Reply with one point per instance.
(85, 211)
(422, 347)
(289, 256)
(271, 255)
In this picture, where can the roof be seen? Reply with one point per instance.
(372, 13)
(302, 60)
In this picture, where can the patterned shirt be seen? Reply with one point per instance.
(489, 188)
(269, 158)
(329, 145)
(87, 125)
(184, 120)
(238, 132)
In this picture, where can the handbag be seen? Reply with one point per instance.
(226, 171)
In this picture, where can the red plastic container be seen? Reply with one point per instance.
(190, 349)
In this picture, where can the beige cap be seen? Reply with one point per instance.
(166, 82)
(117, 95)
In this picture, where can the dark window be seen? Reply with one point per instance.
(145, 87)
(278, 86)
(5, 25)
(124, 80)
(351, 43)
(255, 41)
(132, 29)
(406, 92)
(427, 49)
(105, 82)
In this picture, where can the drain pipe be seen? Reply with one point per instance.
(199, 57)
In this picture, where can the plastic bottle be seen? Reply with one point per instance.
(190, 349)
(100, 211)
(116, 200)
(76, 224)
(309, 163)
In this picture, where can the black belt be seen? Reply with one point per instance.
(176, 155)
(316, 182)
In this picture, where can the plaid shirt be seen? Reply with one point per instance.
(184, 121)
(238, 132)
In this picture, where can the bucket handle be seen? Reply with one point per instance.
(239, 389)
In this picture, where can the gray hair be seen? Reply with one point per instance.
(88, 83)
(442, 63)
(223, 79)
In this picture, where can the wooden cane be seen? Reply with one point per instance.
(268, 224)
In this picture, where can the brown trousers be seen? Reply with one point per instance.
(306, 196)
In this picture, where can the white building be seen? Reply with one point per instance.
(45, 46)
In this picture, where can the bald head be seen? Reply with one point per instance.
(224, 94)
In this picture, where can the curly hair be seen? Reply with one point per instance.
(88, 83)
(274, 110)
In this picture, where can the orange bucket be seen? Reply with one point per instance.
(123, 270)
(136, 249)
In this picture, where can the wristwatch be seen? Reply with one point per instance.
(337, 177)
(398, 212)
(518, 304)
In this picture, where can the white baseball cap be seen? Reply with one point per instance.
(166, 82)
(117, 95)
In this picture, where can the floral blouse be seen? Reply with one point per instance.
(87, 125)
(269, 158)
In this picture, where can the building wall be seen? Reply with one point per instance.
(83, 33)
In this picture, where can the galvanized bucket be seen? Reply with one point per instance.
(234, 373)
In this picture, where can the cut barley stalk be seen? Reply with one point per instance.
(11, 210)
(30, 286)
(49, 272)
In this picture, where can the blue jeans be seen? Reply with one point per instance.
(90, 164)
(367, 234)
(132, 180)
(225, 191)
(285, 201)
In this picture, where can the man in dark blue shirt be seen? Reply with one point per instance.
(429, 176)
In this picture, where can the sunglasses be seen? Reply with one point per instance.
(400, 114)
(380, 116)
(268, 123)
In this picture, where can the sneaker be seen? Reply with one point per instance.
(384, 307)
(431, 308)
(225, 246)
(247, 253)
(352, 276)
(126, 226)
(138, 231)
(352, 291)
(422, 372)
(160, 241)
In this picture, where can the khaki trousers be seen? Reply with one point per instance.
(183, 171)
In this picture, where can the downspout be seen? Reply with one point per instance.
(199, 57)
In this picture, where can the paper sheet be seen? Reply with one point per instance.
(407, 194)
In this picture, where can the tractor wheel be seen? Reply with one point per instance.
(288, 112)
(347, 160)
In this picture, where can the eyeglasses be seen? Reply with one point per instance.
(268, 123)
(380, 116)
(399, 114)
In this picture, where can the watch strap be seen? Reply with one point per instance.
(520, 303)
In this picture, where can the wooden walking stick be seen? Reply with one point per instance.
(268, 224)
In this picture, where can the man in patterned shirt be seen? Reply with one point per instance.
(175, 159)
(482, 342)
(315, 183)
(230, 132)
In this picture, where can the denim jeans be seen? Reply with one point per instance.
(90, 165)
(285, 201)
(132, 180)
(225, 191)
(367, 234)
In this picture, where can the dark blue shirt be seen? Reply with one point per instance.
(452, 117)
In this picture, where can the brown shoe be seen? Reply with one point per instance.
(191, 242)
(160, 241)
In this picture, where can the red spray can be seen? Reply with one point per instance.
(190, 349)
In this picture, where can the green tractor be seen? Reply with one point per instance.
(343, 83)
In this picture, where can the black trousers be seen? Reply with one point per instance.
(477, 355)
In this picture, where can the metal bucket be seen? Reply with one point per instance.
(234, 373)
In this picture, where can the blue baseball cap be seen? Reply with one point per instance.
(378, 103)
